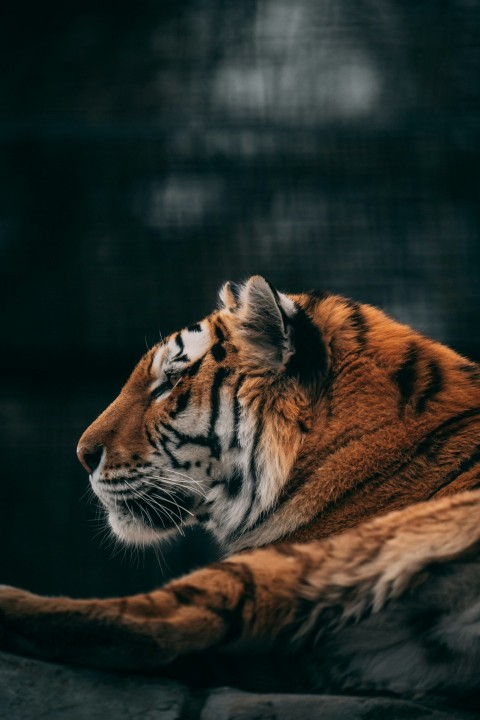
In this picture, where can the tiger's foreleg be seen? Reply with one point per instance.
(226, 602)
(283, 593)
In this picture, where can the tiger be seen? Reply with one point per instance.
(334, 455)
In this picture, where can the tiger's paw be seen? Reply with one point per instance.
(15, 600)
(17, 611)
(11, 599)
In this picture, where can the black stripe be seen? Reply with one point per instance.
(194, 368)
(175, 462)
(150, 438)
(163, 442)
(233, 617)
(160, 389)
(358, 322)
(309, 361)
(180, 344)
(433, 387)
(465, 465)
(235, 441)
(182, 358)
(218, 351)
(471, 369)
(253, 476)
(219, 334)
(315, 297)
(210, 441)
(234, 483)
(196, 327)
(187, 594)
(184, 439)
(182, 402)
(406, 374)
(253, 458)
(218, 379)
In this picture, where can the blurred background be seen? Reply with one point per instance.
(150, 151)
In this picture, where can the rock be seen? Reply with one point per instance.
(227, 704)
(32, 689)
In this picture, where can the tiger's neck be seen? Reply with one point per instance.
(397, 423)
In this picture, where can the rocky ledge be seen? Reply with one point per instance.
(30, 689)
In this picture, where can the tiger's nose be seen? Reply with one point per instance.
(90, 457)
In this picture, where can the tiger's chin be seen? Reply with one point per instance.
(133, 531)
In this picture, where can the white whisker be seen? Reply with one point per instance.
(175, 483)
(177, 473)
(169, 514)
(163, 486)
(158, 508)
(158, 501)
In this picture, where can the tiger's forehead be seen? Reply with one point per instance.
(184, 347)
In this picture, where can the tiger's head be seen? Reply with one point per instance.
(209, 424)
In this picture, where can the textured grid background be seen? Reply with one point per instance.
(149, 152)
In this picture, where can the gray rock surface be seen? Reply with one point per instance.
(30, 690)
(228, 704)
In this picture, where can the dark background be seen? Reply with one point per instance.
(151, 150)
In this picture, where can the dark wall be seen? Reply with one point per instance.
(148, 152)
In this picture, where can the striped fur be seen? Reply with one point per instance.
(289, 421)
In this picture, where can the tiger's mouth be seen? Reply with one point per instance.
(168, 515)
(140, 513)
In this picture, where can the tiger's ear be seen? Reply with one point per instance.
(262, 320)
(229, 296)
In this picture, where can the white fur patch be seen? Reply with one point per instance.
(288, 306)
(133, 532)
(196, 342)
(158, 360)
(188, 344)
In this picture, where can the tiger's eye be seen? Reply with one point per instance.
(174, 378)
(161, 389)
